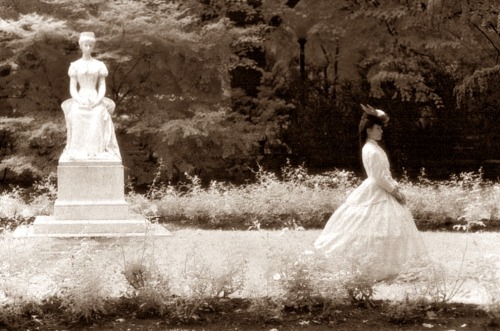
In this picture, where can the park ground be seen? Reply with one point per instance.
(37, 268)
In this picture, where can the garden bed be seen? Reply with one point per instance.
(279, 222)
(288, 221)
(235, 314)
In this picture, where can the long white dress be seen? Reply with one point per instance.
(90, 131)
(372, 230)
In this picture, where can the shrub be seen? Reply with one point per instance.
(83, 293)
(151, 289)
(266, 309)
(44, 194)
(406, 312)
(153, 295)
(14, 211)
(202, 281)
(16, 306)
(307, 280)
(464, 199)
(17, 207)
(487, 274)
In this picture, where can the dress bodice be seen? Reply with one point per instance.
(376, 165)
(379, 184)
(87, 74)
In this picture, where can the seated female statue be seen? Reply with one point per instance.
(90, 130)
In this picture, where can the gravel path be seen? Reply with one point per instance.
(38, 267)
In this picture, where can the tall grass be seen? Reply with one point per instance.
(296, 199)
(291, 199)
(465, 201)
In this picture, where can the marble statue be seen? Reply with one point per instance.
(90, 130)
(90, 174)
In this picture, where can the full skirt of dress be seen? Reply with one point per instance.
(374, 233)
(90, 132)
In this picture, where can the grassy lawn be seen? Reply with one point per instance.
(35, 268)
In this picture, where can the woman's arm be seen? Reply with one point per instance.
(73, 90)
(400, 197)
(379, 169)
(101, 90)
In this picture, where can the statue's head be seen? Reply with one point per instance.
(86, 36)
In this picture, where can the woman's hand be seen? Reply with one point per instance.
(400, 197)
(95, 103)
(83, 101)
(88, 102)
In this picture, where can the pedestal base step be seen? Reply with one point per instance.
(90, 210)
(47, 226)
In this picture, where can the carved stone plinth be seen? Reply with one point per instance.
(90, 191)
(91, 203)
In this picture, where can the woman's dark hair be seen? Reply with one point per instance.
(367, 121)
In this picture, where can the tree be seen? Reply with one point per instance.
(203, 86)
(162, 67)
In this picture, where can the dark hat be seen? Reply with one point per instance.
(379, 113)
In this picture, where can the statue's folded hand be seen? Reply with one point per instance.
(83, 101)
(79, 101)
(95, 103)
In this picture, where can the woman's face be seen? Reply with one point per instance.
(87, 46)
(375, 132)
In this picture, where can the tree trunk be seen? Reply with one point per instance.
(336, 70)
(302, 59)
(498, 23)
(465, 10)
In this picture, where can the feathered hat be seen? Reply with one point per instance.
(370, 110)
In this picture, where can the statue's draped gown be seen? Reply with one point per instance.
(90, 131)
(372, 231)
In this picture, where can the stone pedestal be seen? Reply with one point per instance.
(91, 203)
(90, 191)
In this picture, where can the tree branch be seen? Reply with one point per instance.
(489, 40)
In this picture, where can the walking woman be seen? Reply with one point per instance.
(373, 230)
